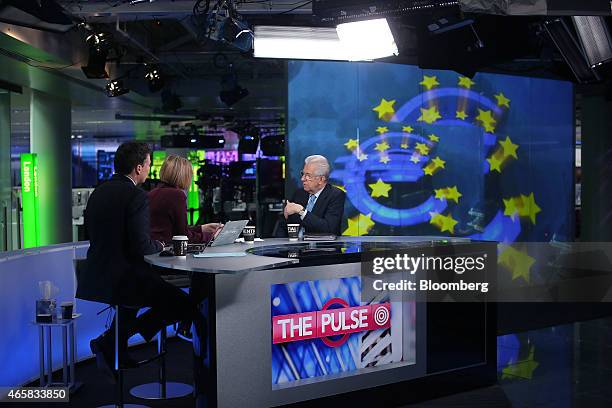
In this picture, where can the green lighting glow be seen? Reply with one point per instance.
(193, 196)
(29, 197)
(158, 159)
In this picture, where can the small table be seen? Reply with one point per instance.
(68, 337)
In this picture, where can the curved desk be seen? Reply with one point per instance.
(255, 345)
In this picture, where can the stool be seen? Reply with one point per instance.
(119, 388)
(162, 389)
(68, 358)
(79, 265)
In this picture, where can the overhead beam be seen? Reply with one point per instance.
(179, 7)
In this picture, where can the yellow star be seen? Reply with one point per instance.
(433, 138)
(381, 147)
(461, 115)
(407, 129)
(509, 147)
(502, 100)
(448, 224)
(487, 120)
(422, 148)
(429, 115)
(438, 162)
(352, 144)
(440, 193)
(465, 82)
(494, 164)
(380, 189)
(385, 109)
(429, 169)
(530, 208)
(517, 262)
(415, 158)
(453, 194)
(382, 129)
(359, 225)
(510, 208)
(429, 82)
(521, 369)
(340, 187)
(362, 157)
(384, 159)
(404, 145)
(436, 219)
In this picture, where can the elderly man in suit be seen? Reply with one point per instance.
(319, 205)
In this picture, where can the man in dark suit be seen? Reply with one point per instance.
(117, 224)
(318, 206)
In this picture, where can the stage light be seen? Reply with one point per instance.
(99, 45)
(154, 79)
(233, 95)
(356, 41)
(115, 88)
(297, 43)
(96, 64)
(570, 50)
(99, 41)
(595, 39)
(367, 40)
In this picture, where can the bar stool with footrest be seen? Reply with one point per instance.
(162, 389)
(117, 360)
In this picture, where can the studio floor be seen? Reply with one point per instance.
(561, 366)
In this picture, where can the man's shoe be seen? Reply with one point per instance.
(103, 348)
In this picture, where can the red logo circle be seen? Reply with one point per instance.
(327, 340)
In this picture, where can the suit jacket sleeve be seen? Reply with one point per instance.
(331, 220)
(138, 227)
(295, 218)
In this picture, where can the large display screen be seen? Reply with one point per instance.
(322, 329)
(423, 152)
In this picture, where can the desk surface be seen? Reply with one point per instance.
(250, 262)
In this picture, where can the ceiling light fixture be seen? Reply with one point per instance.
(367, 40)
(594, 38)
(115, 88)
(154, 79)
(356, 41)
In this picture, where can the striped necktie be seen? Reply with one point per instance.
(311, 202)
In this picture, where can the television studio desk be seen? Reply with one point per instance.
(427, 349)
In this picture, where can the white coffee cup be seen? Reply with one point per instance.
(179, 244)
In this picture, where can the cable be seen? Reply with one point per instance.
(295, 8)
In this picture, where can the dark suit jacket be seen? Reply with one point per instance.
(326, 216)
(117, 224)
(168, 206)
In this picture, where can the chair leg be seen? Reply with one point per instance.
(161, 390)
(119, 388)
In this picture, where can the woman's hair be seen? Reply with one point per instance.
(176, 171)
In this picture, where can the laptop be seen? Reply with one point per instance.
(230, 232)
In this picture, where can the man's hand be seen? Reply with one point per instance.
(211, 229)
(292, 208)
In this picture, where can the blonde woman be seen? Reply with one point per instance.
(168, 204)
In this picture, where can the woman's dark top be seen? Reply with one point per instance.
(168, 205)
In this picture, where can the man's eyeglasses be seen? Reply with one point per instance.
(308, 176)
